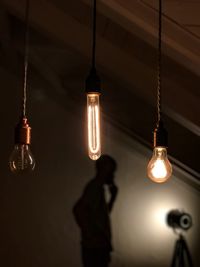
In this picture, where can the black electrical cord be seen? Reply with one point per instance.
(93, 82)
(94, 35)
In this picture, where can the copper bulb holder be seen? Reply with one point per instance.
(23, 132)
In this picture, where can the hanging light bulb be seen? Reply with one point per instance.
(93, 84)
(93, 115)
(21, 158)
(159, 168)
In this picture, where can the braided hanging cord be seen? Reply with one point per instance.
(26, 54)
(159, 109)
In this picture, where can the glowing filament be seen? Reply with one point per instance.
(93, 113)
(159, 168)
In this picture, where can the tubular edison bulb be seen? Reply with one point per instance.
(159, 168)
(93, 117)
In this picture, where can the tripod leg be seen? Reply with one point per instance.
(181, 253)
(187, 253)
(175, 255)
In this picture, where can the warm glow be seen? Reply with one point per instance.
(159, 168)
(93, 113)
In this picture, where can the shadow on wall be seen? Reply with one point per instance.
(92, 214)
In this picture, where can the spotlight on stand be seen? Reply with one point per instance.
(179, 220)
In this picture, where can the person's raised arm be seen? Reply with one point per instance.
(113, 192)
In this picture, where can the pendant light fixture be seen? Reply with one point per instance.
(159, 168)
(93, 92)
(21, 159)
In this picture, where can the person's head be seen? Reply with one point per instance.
(106, 166)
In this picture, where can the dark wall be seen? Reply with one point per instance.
(36, 222)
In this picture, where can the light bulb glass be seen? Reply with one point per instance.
(93, 120)
(159, 168)
(21, 159)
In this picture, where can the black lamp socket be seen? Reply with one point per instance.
(93, 82)
(160, 135)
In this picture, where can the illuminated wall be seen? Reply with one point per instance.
(141, 236)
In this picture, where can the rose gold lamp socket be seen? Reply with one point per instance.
(23, 132)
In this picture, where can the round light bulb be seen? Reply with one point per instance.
(21, 159)
(159, 168)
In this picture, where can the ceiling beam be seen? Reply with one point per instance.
(140, 19)
(55, 23)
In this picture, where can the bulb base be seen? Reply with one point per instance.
(23, 132)
(160, 136)
(93, 83)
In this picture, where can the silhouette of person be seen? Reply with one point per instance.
(91, 213)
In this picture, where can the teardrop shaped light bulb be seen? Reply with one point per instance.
(159, 168)
(21, 159)
(93, 120)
